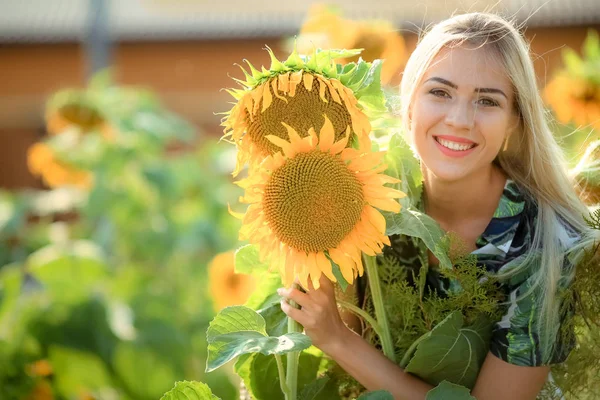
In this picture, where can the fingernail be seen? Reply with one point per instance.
(279, 291)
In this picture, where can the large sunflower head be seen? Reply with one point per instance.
(315, 202)
(228, 288)
(326, 28)
(43, 162)
(300, 92)
(73, 109)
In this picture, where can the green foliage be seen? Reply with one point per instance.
(449, 391)
(189, 390)
(577, 377)
(377, 395)
(115, 278)
(240, 330)
(247, 261)
(451, 351)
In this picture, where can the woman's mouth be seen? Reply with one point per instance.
(454, 146)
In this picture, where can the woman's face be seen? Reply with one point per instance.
(461, 113)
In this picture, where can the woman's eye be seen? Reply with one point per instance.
(439, 93)
(488, 102)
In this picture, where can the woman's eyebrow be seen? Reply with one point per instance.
(454, 86)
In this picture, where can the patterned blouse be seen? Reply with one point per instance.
(504, 243)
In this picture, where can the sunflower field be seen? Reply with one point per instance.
(148, 267)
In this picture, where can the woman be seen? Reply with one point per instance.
(492, 169)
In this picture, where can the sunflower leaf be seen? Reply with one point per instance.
(414, 223)
(449, 391)
(451, 351)
(185, 390)
(337, 272)
(226, 347)
(377, 395)
(247, 260)
(403, 164)
(240, 330)
(370, 94)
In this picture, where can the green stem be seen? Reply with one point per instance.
(293, 356)
(363, 314)
(380, 314)
(282, 379)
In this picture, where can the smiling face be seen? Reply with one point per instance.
(461, 113)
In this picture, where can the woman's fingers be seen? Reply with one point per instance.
(294, 313)
(296, 295)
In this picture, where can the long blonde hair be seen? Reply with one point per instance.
(532, 158)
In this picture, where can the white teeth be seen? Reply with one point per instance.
(454, 145)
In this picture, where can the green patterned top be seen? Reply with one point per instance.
(502, 246)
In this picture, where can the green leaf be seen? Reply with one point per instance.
(591, 46)
(449, 391)
(235, 319)
(247, 261)
(370, 95)
(11, 278)
(417, 224)
(403, 164)
(573, 62)
(226, 347)
(239, 330)
(264, 376)
(265, 291)
(452, 352)
(377, 395)
(186, 390)
(314, 388)
(337, 272)
(69, 272)
(242, 369)
(275, 318)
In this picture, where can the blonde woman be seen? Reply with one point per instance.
(493, 175)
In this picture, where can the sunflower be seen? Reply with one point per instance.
(315, 202)
(43, 162)
(299, 92)
(574, 100)
(73, 109)
(228, 288)
(326, 28)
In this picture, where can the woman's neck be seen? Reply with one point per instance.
(475, 196)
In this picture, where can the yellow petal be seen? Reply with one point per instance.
(267, 97)
(275, 92)
(322, 88)
(295, 80)
(327, 135)
(308, 81)
(285, 146)
(284, 83)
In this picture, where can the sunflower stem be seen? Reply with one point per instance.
(363, 314)
(282, 378)
(293, 356)
(376, 294)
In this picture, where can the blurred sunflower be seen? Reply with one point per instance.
(43, 162)
(227, 288)
(299, 92)
(40, 368)
(574, 100)
(325, 28)
(314, 202)
(69, 109)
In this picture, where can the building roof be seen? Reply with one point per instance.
(142, 20)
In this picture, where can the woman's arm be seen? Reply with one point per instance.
(322, 323)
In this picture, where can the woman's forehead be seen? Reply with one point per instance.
(469, 67)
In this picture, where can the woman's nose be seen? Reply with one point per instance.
(461, 114)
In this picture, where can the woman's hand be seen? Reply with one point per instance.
(318, 314)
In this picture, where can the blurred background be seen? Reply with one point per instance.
(115, 239)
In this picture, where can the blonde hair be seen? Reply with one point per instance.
(532, 158)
